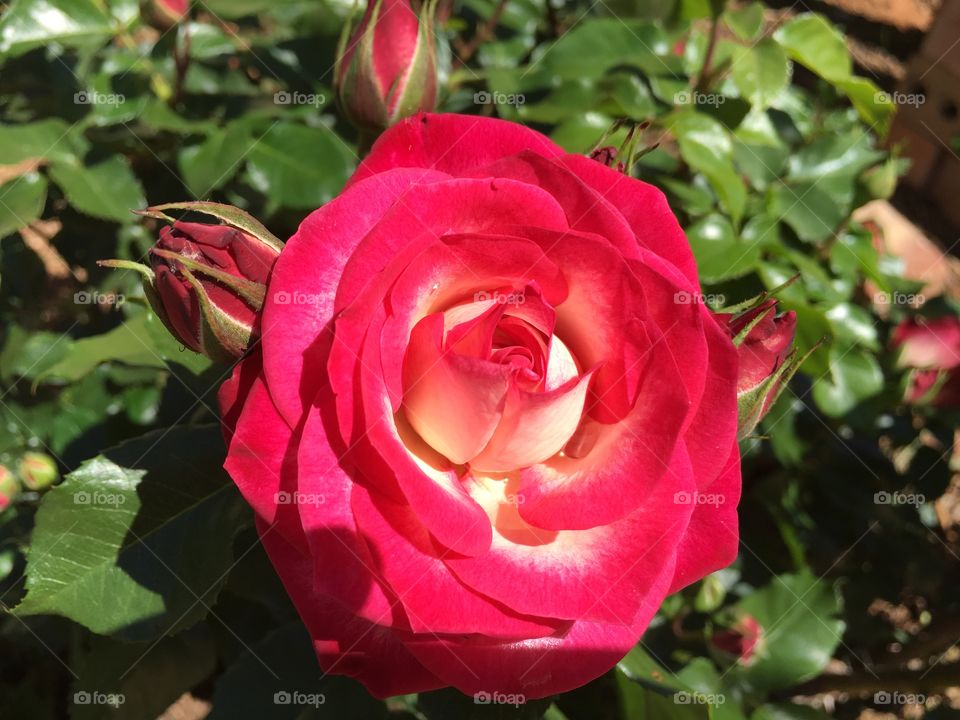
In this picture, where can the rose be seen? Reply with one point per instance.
(764, 342)
(739, 642)
(387, 69)
(931, 349)
(422, 410)
(207, 285)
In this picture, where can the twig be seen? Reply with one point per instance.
(484, 32)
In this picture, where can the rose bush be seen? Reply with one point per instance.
(480, 423)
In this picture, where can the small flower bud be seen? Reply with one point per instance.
(38, 471)
(210, 282)
(387, 68)
(739, 642)
(763, 341)
(9, 487)
(930, 348)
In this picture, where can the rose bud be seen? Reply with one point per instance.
(38, 471)
(208, 287)
(387, 69)
(739, 642)
(164, 14)
(931, 348)
(763, 341)
(9, 487)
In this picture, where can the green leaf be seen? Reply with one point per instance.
(703, 679)
(126, 343)
(854, 376)
(705, 146)
(216, 160)
(29, 24)
(761, 72)
(107, 190)
(21, 202)
(299, 167)
(609, 43)
(720, 254)
(875, 107)
(46, 139)
(137, 542)
(811, 211)
(814, 42)
(143, 679)
(745, 21)
(801, 629)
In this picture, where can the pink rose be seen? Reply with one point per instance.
(484, 439)
(931, 347)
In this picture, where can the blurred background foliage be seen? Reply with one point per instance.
(765, 141)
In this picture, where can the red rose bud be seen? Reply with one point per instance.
(931, 349)
(165, 14)
(740, 641)
(387, 69)
(767, 363)
(208, 286)
(38, 471)
(9, 488)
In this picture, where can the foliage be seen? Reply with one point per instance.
(140, 575)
